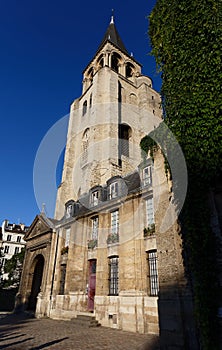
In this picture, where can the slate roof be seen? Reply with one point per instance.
(113, 37)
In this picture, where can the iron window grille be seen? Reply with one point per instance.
(153, 272)
(113, 275)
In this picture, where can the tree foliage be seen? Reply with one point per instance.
(186, 42)
(13, 267)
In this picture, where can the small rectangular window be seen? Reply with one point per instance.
(153, 272)
(147, 176)
(113, 275)
(19, 239)
(16, 250)
(6, 250)
(9, 238)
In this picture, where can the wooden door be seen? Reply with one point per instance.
(92, 284)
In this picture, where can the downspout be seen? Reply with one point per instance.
(53, 271)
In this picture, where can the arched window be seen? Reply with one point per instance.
(129, 70)
(100, 62)
(90, 74)
(115, 61)
(133, 99)
(85, 146)
(125, 132)
(84, 108)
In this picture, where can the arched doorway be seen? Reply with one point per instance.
(38, 266)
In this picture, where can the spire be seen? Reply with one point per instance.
(112, 36)
(112, 17)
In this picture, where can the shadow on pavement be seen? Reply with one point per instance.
(49, 344)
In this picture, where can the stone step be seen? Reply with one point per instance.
(86, 320)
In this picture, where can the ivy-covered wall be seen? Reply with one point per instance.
(186, 42)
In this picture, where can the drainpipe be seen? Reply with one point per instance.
(53, 271)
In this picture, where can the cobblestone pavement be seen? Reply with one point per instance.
(20, 332)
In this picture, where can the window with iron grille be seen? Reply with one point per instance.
(113, 275)
(153, 272)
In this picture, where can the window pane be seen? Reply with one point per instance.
(147, 176)
(149, 211)
(67, 237)
(113, 190)
(115, 221)
(95, 226)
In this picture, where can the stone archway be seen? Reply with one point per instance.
(37, 268)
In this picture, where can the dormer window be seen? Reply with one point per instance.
(147, 176)
(69, 209)
(95, 195)
(95, 198)
(113, 190)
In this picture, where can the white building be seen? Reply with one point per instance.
(12, 241)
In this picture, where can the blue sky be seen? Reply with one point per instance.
(45, 45)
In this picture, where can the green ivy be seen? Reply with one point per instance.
(186, 38)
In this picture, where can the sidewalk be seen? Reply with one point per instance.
(20, 332)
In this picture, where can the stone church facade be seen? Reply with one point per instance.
(104, 252)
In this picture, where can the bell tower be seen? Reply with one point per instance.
(118, 107)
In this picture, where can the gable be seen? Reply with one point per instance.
(38, 228)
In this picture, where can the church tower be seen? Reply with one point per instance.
(105, 254)
(118, 106)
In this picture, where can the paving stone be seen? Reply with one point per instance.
(20, 332)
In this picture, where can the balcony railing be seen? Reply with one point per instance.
(112, 238)
(149, 231)
(92, 243)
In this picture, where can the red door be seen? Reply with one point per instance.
(92, 284)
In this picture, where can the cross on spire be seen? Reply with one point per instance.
(112, 17)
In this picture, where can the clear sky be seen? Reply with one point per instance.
(45, 45)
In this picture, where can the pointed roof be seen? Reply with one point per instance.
(113, 37)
